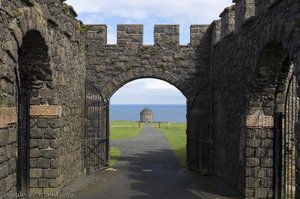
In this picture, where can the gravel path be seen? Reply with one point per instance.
(148, 169)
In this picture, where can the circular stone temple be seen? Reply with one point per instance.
(146, 115)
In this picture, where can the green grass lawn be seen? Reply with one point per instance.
(176, 136)
(122, 130)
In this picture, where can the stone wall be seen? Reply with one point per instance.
(112, 66)
(231, 74)
(41, 45)
(244, 90)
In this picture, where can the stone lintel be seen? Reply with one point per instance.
(259, 120)
(45, 111)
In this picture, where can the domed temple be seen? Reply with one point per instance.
(146, 115)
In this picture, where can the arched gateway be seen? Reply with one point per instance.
(239, 74)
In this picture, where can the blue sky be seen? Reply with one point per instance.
(148, 13)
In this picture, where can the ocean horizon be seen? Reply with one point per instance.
(161, 112)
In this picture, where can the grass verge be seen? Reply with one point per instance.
(124, 129)
(114, 155)
(176, 136)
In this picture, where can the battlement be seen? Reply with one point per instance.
(231, 19)
(131, 35)
(238, 14)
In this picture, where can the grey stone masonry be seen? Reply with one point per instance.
(233, 73)
(112, 66)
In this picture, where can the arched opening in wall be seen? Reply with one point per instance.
(148, 128)
(275, 103)
(33, 74)
(149, 102)
(147, 137)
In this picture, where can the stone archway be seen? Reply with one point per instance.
(33, 76)
(268, 91)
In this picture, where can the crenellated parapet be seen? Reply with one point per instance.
(197, 34)
(227, 21)
(130, 35)
(216, 34)
(234, 17)
(166, 35)
(244, 10)
(97, 33)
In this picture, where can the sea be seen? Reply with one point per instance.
(161, 112)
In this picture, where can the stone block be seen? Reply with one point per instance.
(249, 193)
(12, 166)
(266, 182)
(33, 163)
(260, 172)
(252, 162)
(42, 123)
(36, 133)
(264, 153)
(52, 133)
(7, 116)
(55, 163)
(43, 163)
(51, 191)
(56, 123)
(255, 143)
(12, 135)
(45, 111)
(252, 182)
(43, 143)
(35, 153)
(259, 120)
(51, 173)
(3, 155)
(4, 137)
(55, 143)
(33, 183)
(36, 173)
(263, 193)
(35, 191)
(44, 183)
(267, 143)
(4, 170)
(33, 143)
(250, 152)
(50, 154)
(267, 162)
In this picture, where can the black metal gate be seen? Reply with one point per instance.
(285, 144)
(23, 137)
(96, 130)
(199, 136)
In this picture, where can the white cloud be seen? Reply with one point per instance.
(188, 11)
(183, 12)
(148, 91)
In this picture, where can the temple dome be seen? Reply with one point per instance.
(146, 115)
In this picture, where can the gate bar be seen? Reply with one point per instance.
(278, 155)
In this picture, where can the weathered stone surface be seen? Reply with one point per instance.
(45, 111)
(7, 116)
(231, 73)
(259, 120)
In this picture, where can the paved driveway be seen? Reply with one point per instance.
(149, 169)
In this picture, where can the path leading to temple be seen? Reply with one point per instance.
(148, 169)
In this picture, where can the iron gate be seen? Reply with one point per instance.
(199, 137)
(96, 130)
(285, 144)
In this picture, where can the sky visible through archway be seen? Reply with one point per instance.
(148, 13)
